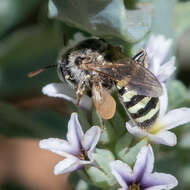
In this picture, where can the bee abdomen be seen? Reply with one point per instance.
(143, 110)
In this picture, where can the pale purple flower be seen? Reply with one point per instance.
(159, 133)
(141, 176)
(77, 149)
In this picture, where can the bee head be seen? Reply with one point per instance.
(69, 69)
(70, 62)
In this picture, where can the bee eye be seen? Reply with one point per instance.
(78, 60)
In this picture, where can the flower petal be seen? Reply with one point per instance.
(176, 118)
(62, 90)
(144, 163)
(122, 172)
(91, 137)
(163, 101)
(157, 50)
(159, 187)
(85, 102)
(58, 146)
(166, 70)
(157, 180)
(68, 165)
(75, 133)
(158, 45)
(163, 137)
(135, 130)
(59, 90)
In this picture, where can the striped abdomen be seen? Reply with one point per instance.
(143, 110)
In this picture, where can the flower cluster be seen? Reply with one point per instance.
(79, 148)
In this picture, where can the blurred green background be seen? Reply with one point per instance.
(29, 40)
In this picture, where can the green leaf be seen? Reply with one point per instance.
(104, 18)
(122, 145)
(56, 123)
(108, 133)
(177, 94)
(181, 17)
(102, 176)
(16, 123)
(13, 12)
(103, 158)
(96, 120)
(118, 124)
(130, 156)
(185, 140)
(83, 119)
(25, 51)
(74, 178)
(99, 178)
(82, 185)
(184, 176)
(163, 15)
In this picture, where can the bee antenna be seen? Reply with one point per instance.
(34, 73)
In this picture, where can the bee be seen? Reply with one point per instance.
(96, 68)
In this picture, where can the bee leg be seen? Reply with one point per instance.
(79, 96)
(80, 91)
(81, 88)
(102, 123)
(141, 58)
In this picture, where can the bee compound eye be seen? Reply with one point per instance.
(78, 60)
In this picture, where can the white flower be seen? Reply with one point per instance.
(157, 49)
(141, 176)
(77, 149)
(62, 90)
(159, 133)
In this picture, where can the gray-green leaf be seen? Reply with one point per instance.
(122, 145)
(104, 18)
(177, 94)
(103, 158)
(130, 156)
(181, 20)
(99, 178)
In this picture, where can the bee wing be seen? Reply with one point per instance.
(134, 76)
(103, 101)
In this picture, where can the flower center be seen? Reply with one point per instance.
(134, 187)
(156, 127)
(83, 155)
